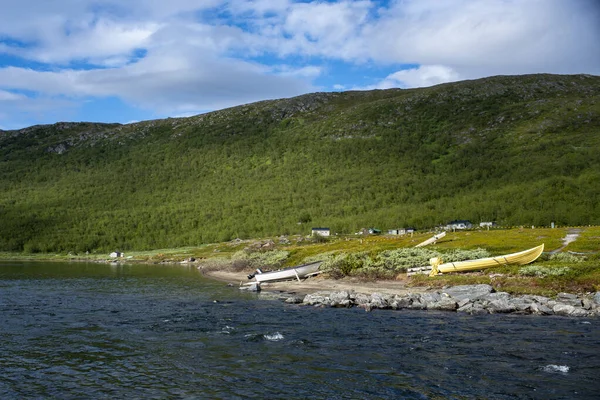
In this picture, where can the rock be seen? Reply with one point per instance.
(295, 299)
(466, 308)
(563, 309)
(431, 297)
(500, 306)
(379, 300)
(541, 309)
(596, 298)
(314, 299)
(588, 304)
(521, 304)
(361, 299)
(463, 303)
(445, 304)
(253, 287)
(399, 302)
(579, 312)
(338, 297)
(472, 292)
(568, 298)
(502, 296)
(478, 309)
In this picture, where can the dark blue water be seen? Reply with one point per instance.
(97, 331)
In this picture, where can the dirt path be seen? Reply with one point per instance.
(316, 284)
(571, 236)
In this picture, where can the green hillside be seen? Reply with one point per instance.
(518, 150)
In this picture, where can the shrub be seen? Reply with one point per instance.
(259, 259)
(542, 272)
(567, 258)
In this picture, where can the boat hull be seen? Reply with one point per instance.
(520, 258)
(298, 272)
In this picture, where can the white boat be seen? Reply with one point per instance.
(432, 240)
(297, 272)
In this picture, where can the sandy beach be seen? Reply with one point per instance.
(319, 283)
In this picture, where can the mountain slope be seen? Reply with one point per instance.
(519, 150)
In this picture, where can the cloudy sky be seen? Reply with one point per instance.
(131, 60)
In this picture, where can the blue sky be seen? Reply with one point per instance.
(125, 61)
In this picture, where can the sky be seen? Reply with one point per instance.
(131, 60)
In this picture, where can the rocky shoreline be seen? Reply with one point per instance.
(469, 299)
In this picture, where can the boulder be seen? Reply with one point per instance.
(445, 304)
(339, 297)
(472, 292)
(315, 299)
(596, 298)
(399, 302)
(361, 299)
(253, 287)
(379, 300)
(563, 309)
(568, 298)
(500, 306)
(588, 304)
(540, 309)
(294, 299)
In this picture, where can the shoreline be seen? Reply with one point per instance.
(475, 299)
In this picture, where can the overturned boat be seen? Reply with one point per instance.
(298, 272)
(520, 258)
(432, 240)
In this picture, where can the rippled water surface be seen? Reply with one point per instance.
(141, 331)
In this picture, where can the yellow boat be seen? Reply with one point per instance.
(520, 258)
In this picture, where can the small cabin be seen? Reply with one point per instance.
(321, 231)
(374, 231)
(397, 232)
(116, 254)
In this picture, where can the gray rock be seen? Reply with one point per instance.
(500, 306)
(472, 292)
(315, 299)
(522, 304)
(431, 297)
(416, 304)
(338, 297)
(400, 302)
(379, 300)
(568, 298)
(563, 309)
(361, 299)
(462, 303)
(253, 287)
(596, 298)
(541, 309)
(445, 304)
(588, 304)
(294, 299)
(478, 310)
(579, 312)
(466, 308)
(502, 296)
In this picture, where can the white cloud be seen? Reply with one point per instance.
(422, 76)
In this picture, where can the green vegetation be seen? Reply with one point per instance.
(520, 151)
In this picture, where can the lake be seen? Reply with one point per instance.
(86, 330)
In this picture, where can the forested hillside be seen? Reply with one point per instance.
(518, 150)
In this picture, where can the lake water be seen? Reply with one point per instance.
(75, 330)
